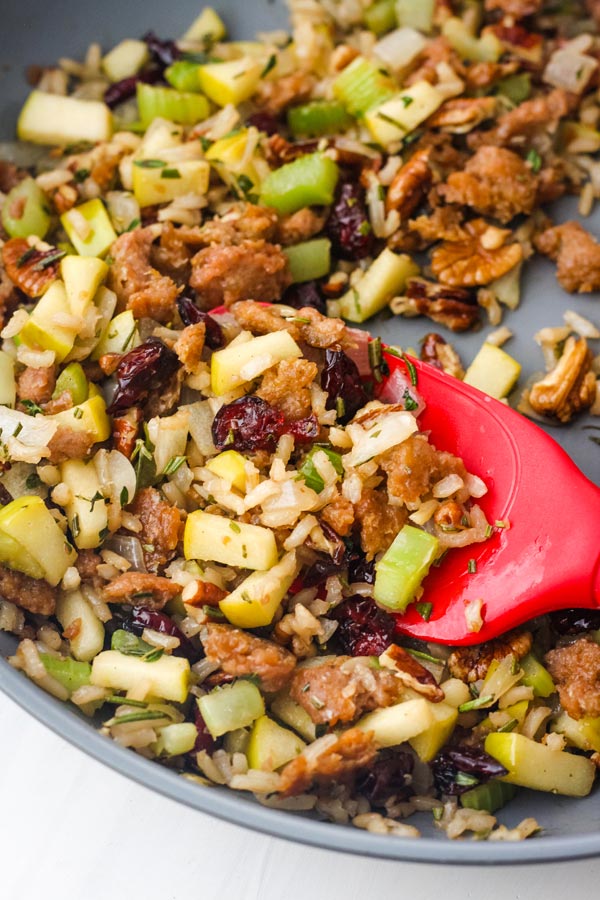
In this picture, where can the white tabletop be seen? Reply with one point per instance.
(74, 830)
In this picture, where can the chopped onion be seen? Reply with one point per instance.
(399, 48)
(26, 437)
(117, 476)
(129, 547)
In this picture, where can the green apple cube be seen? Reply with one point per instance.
(583, 733)
(25, 210)
(231, 466)
(8, 385)
(126, 59)
(486, 48)
(28, 523)
(82, 276)
(55, 119)
(231, 82)
(402, 568)
(89, 228)
(72, 379)
(231, 707)
(309, 260)
(385, 278)
(416, 15)
(536, 676)
(393, 120)
(153, 185)
(429, 742)
(536, 766)
(256, 600)
(291, 713)
(89, 416)
(88, 518)
(238, 364)
(308, 181)
(176, 739)
(207, 27)
(121, 335)
(394, 725)
(71, 673)
(270, 746)
(167, 677)
(493, 371)
(71, 607)
(218, 539)
(43, 328)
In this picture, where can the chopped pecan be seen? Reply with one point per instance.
(279, 151)
(462, 114)
(239, 653)
(541, 114)
(275, 96)
(29, 269)
(109, 362)
(339, 761)
(412, 674)
(439, 353)
(452, 307)
(521, 42)
(205, 594)
(472, 663)
(141, 588)
(126, 429)
(477, 259)
(576, 670)
(444, 224)
(577, 254)
(410, 184)
(570, 387)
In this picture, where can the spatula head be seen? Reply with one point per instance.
(547, 556)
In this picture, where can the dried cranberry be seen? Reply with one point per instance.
(360, 569)
(144, 369)
(450, 764)
(348, 226)
(388, 776)
(364, 629)
(305, 294)
(573, 621)
(264, 121)
(191, 315)
(142, 617)
(341, 379)
(125, 89)
(205, 740)
(338, 547)
(250, 423)
(320, 571)
(163, 52)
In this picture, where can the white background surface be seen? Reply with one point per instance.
(72, 829)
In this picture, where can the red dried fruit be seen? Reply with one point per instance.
(388, 776)
(450, 763)
(251, 423)
(305, 294)
(264, 121)
(191, 315)
(142, 617)
(125, 89)
(574, 621)
(364, 630)
(205, 740)
(163, 52)
(341, 379)
(144, 369)
(348, 226)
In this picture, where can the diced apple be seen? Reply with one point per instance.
(89, 228)
(493, 371)
(43, 328)
(583, 733)
(540, 768)
(121, 335)
(176, 739)
(90, 416)
(243, 172)
(155, 185)
(167, 677)
(536, 676)
(218, 539)
(86, 511)
(233, 367)
(105, 303)
(231, 82)
(126, 59)
(270, 746)
(256, 600)
(486, 48)
(231, 707)
(54, 119)
(294, 715)
(27, 523)
(207, 27)
(427, 744)
(231, 466)
(8, 385)
(88, 639)
(394, 725)
(385, 278)
(82, 276)
(394, 119)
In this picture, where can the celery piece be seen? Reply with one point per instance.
(308, 181)
(536, 676)
(488, 797)
(184, 75)
(416, 15)
(309, 260)
(309, 472)
(176, 739)
(231, 707)
(93, 236)
(319, 117)
(515, 87)
(72, 379)
(485, 48)
(363, 85)
(71, 673)
(25, 210)
(402, 568)
(183, 107)
(381, 16)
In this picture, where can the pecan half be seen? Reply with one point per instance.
(463, 114)
(410, 184)
(449, 306)
(412, 674)
(29, 269)
(570, 387)
(477, 259)
(439, 353)
(472, 663)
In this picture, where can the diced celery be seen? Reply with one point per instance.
(486, 48)
(231, 707)
(319, 117)
(183, 107)
(71, 673)
(309, 260)
(218, 539)
(94, 236)
(362, 85)
(488, 797)
(126, 59)
(176, 739)
(385, 278)
(309, 472)
(270, 746)
(184, 75)
(236, 741)
(402, 568)
(54, 119)
(72, 379)
(308, 181)
(155, 184)
(25, 210)
(515, 87)
(291, 713)
(493, 371)
(416, 15)
(536, 676)
(208, 27)
(8, 385)
(231, 82)
(381, 16)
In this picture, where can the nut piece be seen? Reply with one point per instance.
(439, 353)
(449, 306)
(410, 184)
(412, 674)
(570, 387)
(30, 269)
(469, 262)
(472, 663)
(462, 114)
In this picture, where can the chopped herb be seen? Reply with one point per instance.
(406, 100)
(33, 481)
(340, 407)
(153, 655)
(78, 412)
(244, 551)
(391, 121)
(501, 523)
(356, 298)
(129, 339)
(424, 610)
(97, 496)
(81, 175)
(103, 534)
(271, 63)
(472, 566)
(489, 531)
(412, 372)
(125, 701)
(134, 224)
(48, 260)
(365, 228)
(464, 779)
(437, 812)
(477, 703)
(245, 186)
(18, 429)
(213, 612)
(419, 654)
(437, 562)
(317, 702)
(124, 497)
(305, 687)
(235, 527)
(380, 192)
(510, 726)
(409, 402)
(150, 163)
(170, 173)
(174, 463)
(75, 527)
(141, 716)
(535, 160)
(25, 257)
(205, 143)
(129, 644)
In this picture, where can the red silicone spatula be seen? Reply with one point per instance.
(549, 557)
